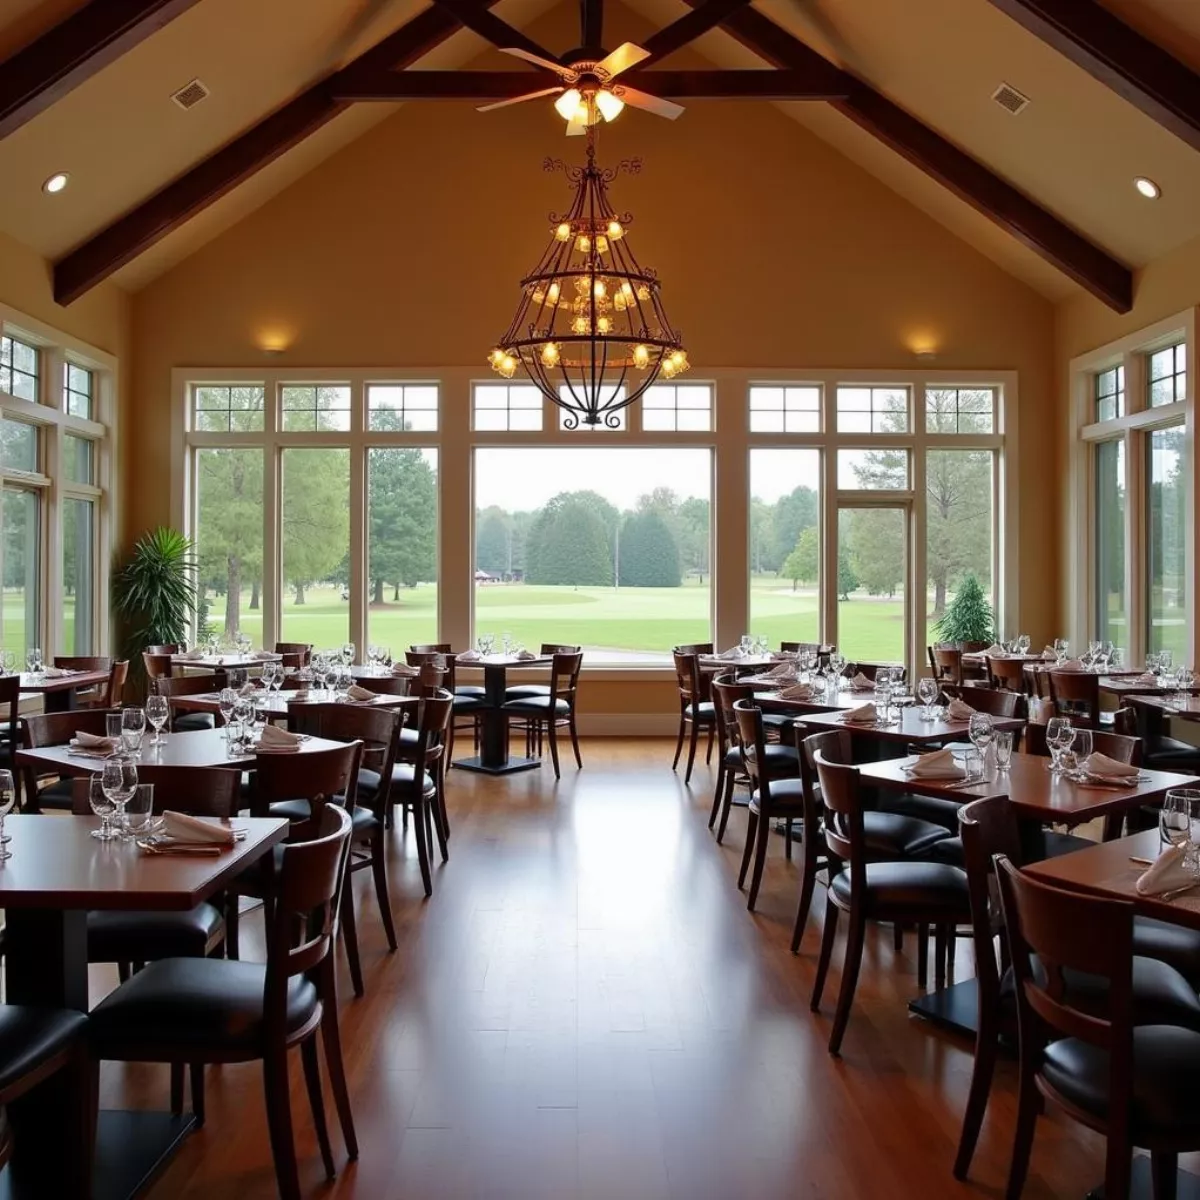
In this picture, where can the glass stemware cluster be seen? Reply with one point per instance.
(109, 792)
(1070, 747)
(379, 657)
(1179, 824)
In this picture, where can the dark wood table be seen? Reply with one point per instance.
(1165, 703)
(909, 729)
(58, 872)
(277, 703)
(493, 757)
(228, 662)
(1127, 685)
(59, 692)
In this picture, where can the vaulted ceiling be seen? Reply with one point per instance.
(1074, 151)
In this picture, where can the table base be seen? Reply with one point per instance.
(1142, 1188)
(954, 1008)
(131, 1148)
(510, 766)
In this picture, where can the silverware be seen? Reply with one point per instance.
(1141, 862)
(151, 847)
(1191, 887)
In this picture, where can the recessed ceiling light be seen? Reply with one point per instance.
(1147, 187)
(56, 182)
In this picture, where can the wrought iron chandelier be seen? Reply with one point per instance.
(590, 330)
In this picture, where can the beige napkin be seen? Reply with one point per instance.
(264, 655)
(404, 670)
(526, 656)
(732, 653)
(1071, 664)
(93, 741)
(354, 692)
(860, 683)
(995, 650)
(1169, 871)
(863, 715)
(939, 764)
(190, 655)
(274, 738)
(1100, 764)
(798, 691)
(468, 656)
(184, 828)
(784, 670)
(959, 710)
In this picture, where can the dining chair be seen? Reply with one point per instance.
(53, 729)
(157, 666)
(468, 698)
(302, 649)
(1161, 751)
(1076, 694)
(197, 1011)
(87, 662)
(546, 650)
(731, 771)
(696, 710)
(551, 712)
(10, 720)
(1134, 1084)
(114, 694)
(1006, 673)
(164, 648)
(375, 729)
(694, 648)
(904, 893)
(989, 828)
(996, 702)
(869, 670)
(945, 663)
(170, 686)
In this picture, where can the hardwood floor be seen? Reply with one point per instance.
(586, 1009)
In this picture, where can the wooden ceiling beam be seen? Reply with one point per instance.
(591, 23)
(43, 72)
(1065, 248)
(489, 27)
(172, 206)
(1137, 69)
(689, 27)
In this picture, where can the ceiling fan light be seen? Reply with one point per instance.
(610, 105)
(568, 103)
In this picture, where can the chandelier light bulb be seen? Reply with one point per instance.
(552, 294)
(563, 232)
(550, 354)
(641, 357)
(610, 105)
(508, 367)
(583, 244)
(568, 104)
(616, 231)
(600, 290)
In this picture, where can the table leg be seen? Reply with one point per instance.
(47, 958)
(60, 701)
(494, 758)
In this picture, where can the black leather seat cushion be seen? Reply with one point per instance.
(469, 689)
(213, 1004)
(362, 820)
(1169, 943)
(522, 690)
(948, 850)
(460, 703)
(538, 706)
(1162, 751)
(56, 795)
(29, 1036)
(910, 885)
(705, 712)
(778, 721)
(787, 798)
(781, 760)
(895, 835)
(145, 936)
(402, 776)
(935, 809)
(187, 721)
(1166, 1080)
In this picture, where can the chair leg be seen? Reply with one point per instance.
(712, 729)
(379, 870)
(350, 935)
(422, 847)
(787, 840)
(977, 1098)
(232, 926)
(1117, 1167)
(316, 1101)
(922, 955)
(679, 740)
(123, 972)
(552, 729)
(939, 957)
(687, 775)
(898, 938)
(751, 838)
(808, 882)
(1164, 1172)
(726, 804)
(718, 792)
(853, 960)
(827, 936)
(436, 825)
(176, 1089)
(575, 738)
(331, 1036)
(761, 843)
(279, 1121)
(1028, 1104)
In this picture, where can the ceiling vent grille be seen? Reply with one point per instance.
(190, 95)
(1010, 99)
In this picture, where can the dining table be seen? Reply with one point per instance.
(494, 757)
(1168, 704)
(218, 662)
(58, 873)
(877, 740)
(276, 704)
(60, 692)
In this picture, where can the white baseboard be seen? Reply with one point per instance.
(628, 724)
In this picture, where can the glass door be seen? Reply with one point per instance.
(872, 582)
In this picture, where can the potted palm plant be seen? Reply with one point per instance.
(968, 620)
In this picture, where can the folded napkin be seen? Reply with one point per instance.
(783, 670)
(1070, 664)
(731, 653)
(274, 738)
(93, 741)
(860, 683)
(864, 714)
(468, 656)
(264, 655)
(55, 672)
(190, 655)
(1147, 677)
(996, 650)
(939, 764)
(404, 670)
(959, 710)
(1100, 764)
(525, 656)
(354, 692)
(1170, 871)
(182, 828)
(798, 691)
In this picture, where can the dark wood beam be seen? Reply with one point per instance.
(77, 48)
(500, 33)
(1137, 69)
(1091, 267)
(505, 85)
(591, 23)
(689, 27)
(127, 237)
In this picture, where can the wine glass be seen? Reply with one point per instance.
(1023, 643)
(927, 692)
(1058, 737)
(348, 653)
(139, 810)
(119, 778)
(158, 711)
(1174, 821)
(258, 716)
(506, 641)
(981, 731)
(1080, 750)
(8, 797)
(226, 702)
(103, 806)
(33, 661)
(1184, 678)
(10, 661)
(1003, 742)
(133, 727)
(240, 718)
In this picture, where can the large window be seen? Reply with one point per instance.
(1111, 622)
(20, 364)
(20, 517)
(607, 548)
(78, 575)
(1166, 530)
(1167, 376)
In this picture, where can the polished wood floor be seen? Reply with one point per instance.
(586, 1009)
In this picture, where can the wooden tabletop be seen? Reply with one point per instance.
(1127, 685)
(276, 703)
(909, 727)
(1105, 870)
(840, 701)
(1189, 710)
(1032, 789)
(209, 662)
(196, 748)
(62, 683)
(751, 662)
(57, 864)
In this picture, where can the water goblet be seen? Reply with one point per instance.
(1174, 821)
(103, 806)
(119, 779)
(158, 710)
(1004, 744)
(1165, 660)
(745, 645)
(8, 797)
(1185, 677)
(1023, 643)
(226, 702)
(10, 661)
(1058, 736)
(506, 641)
(33, 661)
(348, 653)
(927, 692)
(981, 731)
(139, 810)
(133, 727)
(1080, 750)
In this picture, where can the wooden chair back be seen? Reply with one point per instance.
(165, 648)
(389, 685)
(1117, 746)
(834, 744)
(319, 776)
(694, 686)
(1008, 673)
(185, 685)
(197, 791)
(301, 649)
(158, 666)
(725, 693)
(432, 648)
(115, 692)
(559, 648)
(10, 715)
(436, 711)
(54, 729)
(870, 669)
(1076, 693)
(842, 799)
(993, 701)
(84, 662)
(564, 675)
(375, 728)
(291, 660)
(434, 670)
(694, 648)
(753, 742)
(946, 664)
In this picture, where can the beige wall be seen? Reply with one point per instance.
(403, 251)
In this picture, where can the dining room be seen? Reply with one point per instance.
(619, 577)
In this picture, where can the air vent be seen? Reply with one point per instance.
(1010, 99)
(191, 95)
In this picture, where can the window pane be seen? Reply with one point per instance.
(872, 558)
(960, 410)
(872, 410)
(78, 459)
(18, 446)
(672, 407)
(402, 546)
(19, 364)
(1111, 623)
(1110, 394)
(236, 408)
(316, 540)
(868, 470)
(229, 541)
(785, 551)
(396, 407)
(959, 526)
(785, 409)
(77, 390)
(501, 407)
(317, 408)
(551, 524)
(1165, 549)
(1167, 375)
(79, 578)
(21, 521)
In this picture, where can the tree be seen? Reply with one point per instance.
(649, 555)
(762, 537)
(403, 520)
(804, 561)
(847, 580)
(877, 545)
(229, 529)
(969, 616)
(792, 513)
(694, 536)
(958, 531)
(569, 542)
(316, 518)
(493, 541)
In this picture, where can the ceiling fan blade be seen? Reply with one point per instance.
(653, 104)
(576, 128)
(538, 61)
(554, 91)
(621, 59)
